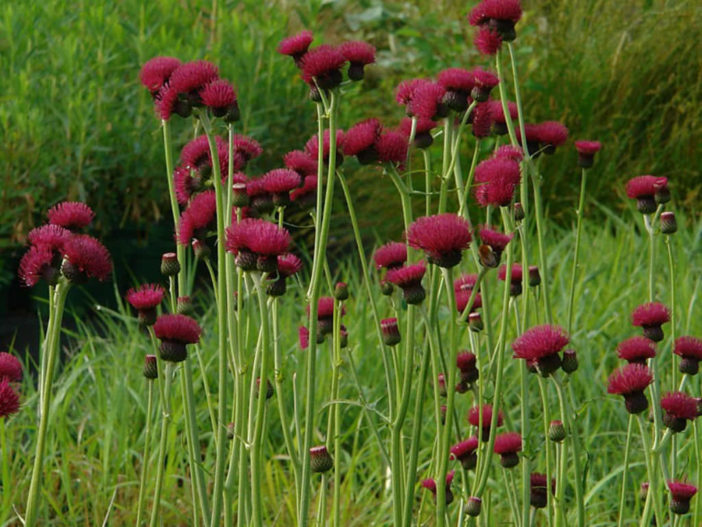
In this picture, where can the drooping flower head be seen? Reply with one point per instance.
(636, 349)
(515, 279)
(485, 81)
(458, 83)
(476, 415)
(540, 347)
(498, 15)
(220, 97)
(198, 218)
(631, 381)
(690, 349)
(36, 264)
(680, 495)
(296, 46)
(496, 179)
(507, 445)
(71, 215)
(551, 134)
(360, 141)
(175, 332)
(493, 244)
(538, 493)
(487, 41)
(301, 162)
(390, 331)
(482, 120)
(145, 299)
(392, 148)
(186, 182)
(279, 183)
(679, 408)
(409, 279)
(465, 452)
(586, 152)
(442, 237)
(648, 191)
(498, 116)
(10, 367)
(391, 255)
(323, 64)
(651, 316)
(359, 54)
(430, 485)
(9, 400)
(257, 244)
(156, 71)
(427, 101)
(288, 265)
(85, 257)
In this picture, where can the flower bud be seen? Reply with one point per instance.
(534, 276)
(386, 288)
(518, 212)
(184, 305)
(473, 506)
(643, 491)
(239, 196)
(169, 264)
(150, 367)
(475, 322)
(269, 388)
(320, 459)
(668, 223)
(390, 331)
(341, 291)
(556, 431)
(570, 361)
(201, 250)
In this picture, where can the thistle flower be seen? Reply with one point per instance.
(636, 349)
(279, 183)
(198, 218)
(360, 141)
(169, 264)
(296, 46)
(196, 154)
(474, 416)
(322, 64)
(359, 54)
(534, 276)
(680, 495)
(499, 15)
(392, 148)
(551, 134)
(690, 349)
(631, 381)
(668, 223)
(257, 244)
(320, 459)
(569, 364)
(186, 182)
(427, 101)
(496, 178)
(303, 335)
(181, 93)
(10, 368)
(248, 147)
(651, 316)
(515, 282)
(405, 91)
(507, 445)
(538, 494)
(648, 191)
(150, 367)
(586, 152)
(39, 262)
(482, 121)
(422, 131)
(156, 71)
(531, 134)
(487, 41)
(473, 506)
(391, 255)
(341, 291)
(85, 257)
(540, 347)
(466, 364)
(556, 431)
(288, 265)
(430, 485)
(442, 237)
(390, 331)
(462, 298)
(305, 195)
(9, 400)
(71, 215)
(485, 81)
(409, 279)
(465, 452)
(465, 282)
(220, 97)
(51, 236)
(301, 162)
(325, 314)
(498, 117)
(495, 243)
(679, 408)
(312, 146)
(145, 299)
(458, 83)
(175, 332)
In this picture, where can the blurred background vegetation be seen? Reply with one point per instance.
(76, 124)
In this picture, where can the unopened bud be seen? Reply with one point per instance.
(341, 291)
(169, 264)
(239, 196)
(534, 276)
(518, 212)
(200, 248)
(320, 459)
(570, 361)
(473, 506)
(475, 322)
(668, 223)
(390, 331)
(150, 367)
(556, 431)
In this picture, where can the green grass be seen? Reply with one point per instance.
(96, 437)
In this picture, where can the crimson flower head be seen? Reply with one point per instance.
(72, 215)
(465, 452)
(325, 315)
(514, 153)
(182, 92)
(175, 332)
(186, 182)
(220, 97)
(538, 493)
(9, 400)
(279, 183)
(50, 236)
(10, 367)
(156, 71)
(85, 257)
(458, 83)
(360, 140)
(305, 195)
(485, 81)
(551, 134)
(466, 363)
(248, 147)
(391, 255)
(198, 218)
(303, 335)
(487, 41)
(312, 146)
(485, 413)
(648, 191)
(430, 485)
(405, 91)
(359, 54)
(145, 299)
(296, 46)
(322, 64)
(690, 349)
(507, 445)
(586, 152)
(493, 244)
(392, 148)
(465, 282)
(427, 101)
(651, 316)
(442, 237)
(301, 162)
(390, 331)
(288, 265)
(636, 349)
(540, 347)
(496, 179)
(409, 279)
(257, 244)
(499, 119)
(631, 381)
(422, 131)
(498, 15)
(462, 298)
(482, 120)
(679, 408)
(36, 264)
(680, 495)
(515, 279)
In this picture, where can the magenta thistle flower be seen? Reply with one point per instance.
(305, 195)
(9, 400)
(465, 282)
(279, 183)
(487, 41)
(648, 191)
(466, 363)
(193, 76)
(303, 335)
(186, 181)
(651, 316)
(507, 445)
(322, 64)
(510, 152)
(150, 369)
(325, 315)
(515, 282)
(636, 349)
(485, 81)
(586, 152)
(288, 265)
(404, 93)
(430, 485)
(679, 408)
(312, 146)
(359, 54)
(145, 299)
(458, 83)
(296, 46)
(496, 179)
(680, 495)
(391, 255)
(462, 298)
(257, 244)
(631, 381)
(442, 237)
(465, 452)
(493, 244)
(360, 141)
(175, 332)
(474, 417)
(409, 279)
(10, 367)
(551, 134)
(500, 14)
(301, 162)
(482, 121)
(51, 236)
(540, 347)
(220, 97)
(198, 218)
(390, 331)
(36, 264)
(85, 257)
(538, 494)
(156, 71)
(72, 215)
(422, 131)
(248, 147)
(392, 148)
(690, 349)
(498, 117)
(427, 101)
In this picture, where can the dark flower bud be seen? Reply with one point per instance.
(320, 459)
(473, 506)
(570, 361)
(169, 264)
(150, 367)
(518, 212)
(668, 223)
(341, 291)
(556, 431)
(240, 198)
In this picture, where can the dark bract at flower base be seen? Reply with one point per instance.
(442, 237)
(631, 381)
(175, 332)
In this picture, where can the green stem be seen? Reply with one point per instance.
(6, 482)
(652, 468)
(576, 250)
(671, 273)
(165, 421)
(625, 472)
(547, 447)
(145, 457)
(44, 353)
(334, 422)
(427, 182)
(538, 207)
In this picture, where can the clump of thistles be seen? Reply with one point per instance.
(690, 350)
(631, 381)
(442, 237)
(256, 244)
(71, 215)
(409, 279)
(586, 152)
(679, 408)
(482, 418)
(540, 347)
(430, 485)
(651, 316)
(636, 349)
(175, 332)
(145, 299)
(465, 452)
(648, 191)
(507, 445)
(680, 495)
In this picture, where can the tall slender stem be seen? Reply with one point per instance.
(160, 461)
(622, 495)
(576, 250)
(147, 448)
